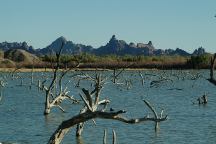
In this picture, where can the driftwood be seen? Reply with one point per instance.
(65, 126)
(212, 67)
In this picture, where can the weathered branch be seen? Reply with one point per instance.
(60, 108)
(142, 78)
(65, 126)
(114, 137)
(88, 100)
(98, 87)
(116, 75)
(88, 96)
(63, 73)
(105, 137)
(151, 108)
(86, 103)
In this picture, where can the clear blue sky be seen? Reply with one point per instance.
(187, 24)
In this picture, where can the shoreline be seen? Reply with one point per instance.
(75, 69)
(83, 69)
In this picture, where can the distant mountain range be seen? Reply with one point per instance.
(114, 46)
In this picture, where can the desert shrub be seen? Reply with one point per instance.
(201, 61)
(1, 54)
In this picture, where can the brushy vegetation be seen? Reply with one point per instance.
(87, 60)
(140, 61)
(198, 62)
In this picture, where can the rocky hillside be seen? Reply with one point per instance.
(18, 55)
(5, 46)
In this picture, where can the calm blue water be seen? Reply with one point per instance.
(22, 120)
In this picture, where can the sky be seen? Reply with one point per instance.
(185, 24)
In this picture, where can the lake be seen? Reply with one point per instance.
(22, 120)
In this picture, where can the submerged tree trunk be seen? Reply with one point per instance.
(80, 126)
(212, 67)
(47, 104)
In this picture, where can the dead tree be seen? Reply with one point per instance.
(65, 126)
(142, 78)
(117, 74)
(92, 100)
(2, 85)
(55, 97)
(212, 67)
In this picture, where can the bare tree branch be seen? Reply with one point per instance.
(114, 137)
(86, 103)
(65, 126)
(105, 137)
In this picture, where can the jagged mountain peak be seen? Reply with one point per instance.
(61, 39)
(150, 43)
(55, 45)
(69, 47)
(113, 38)
(199, 51)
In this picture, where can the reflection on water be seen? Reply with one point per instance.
(22, 120)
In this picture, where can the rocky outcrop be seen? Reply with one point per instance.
(114, 46)
(120, 47)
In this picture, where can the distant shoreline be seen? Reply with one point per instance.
(75, 69)
(84, 69)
